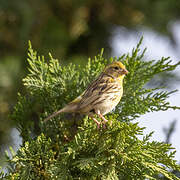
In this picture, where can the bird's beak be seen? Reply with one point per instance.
(125, 71)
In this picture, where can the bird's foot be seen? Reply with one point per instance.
(103, 118)
(97, 122)
(104, 123)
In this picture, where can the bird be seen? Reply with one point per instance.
(100, 97)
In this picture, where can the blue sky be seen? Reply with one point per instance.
(157, 46)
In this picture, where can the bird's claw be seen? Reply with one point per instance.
(99, 123)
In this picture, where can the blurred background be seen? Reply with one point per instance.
(75, 30)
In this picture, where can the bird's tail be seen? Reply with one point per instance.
(53, 115)
(67, 108)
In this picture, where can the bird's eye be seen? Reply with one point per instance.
(116, 68)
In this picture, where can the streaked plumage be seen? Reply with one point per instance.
(101, 96)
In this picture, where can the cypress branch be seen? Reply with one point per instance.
(69, 146)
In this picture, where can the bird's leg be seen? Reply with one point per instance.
(96, 121)
(103, 118)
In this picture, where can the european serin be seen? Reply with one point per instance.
(102, 95)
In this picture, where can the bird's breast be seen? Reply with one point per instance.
(109, 101)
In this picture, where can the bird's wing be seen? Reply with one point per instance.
(97, 92)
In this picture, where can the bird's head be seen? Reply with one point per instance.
(116, 69)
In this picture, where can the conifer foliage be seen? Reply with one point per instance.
(70, 146)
